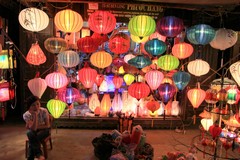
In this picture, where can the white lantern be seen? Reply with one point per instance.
(37, 86)
(94, 102)
(198, 67)
(68, 58)
(235, 71)
(117, 103)
(206, 123)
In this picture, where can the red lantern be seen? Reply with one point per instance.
(100, 38)
(182, 50)
(56, 80)
(99, 79)
(153, 106)
(118, 62)
(6, 92)
(35, 55)
(119, 43)
(139, 90)
(87, 44)
(215, 130)
(117, 81)
(154, 78)
(196, 96)
(87, 76)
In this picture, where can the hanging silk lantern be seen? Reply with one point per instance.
(141, 26)
(105, 104)
(93, 102)
(153, 105)
(101, 59)
(198, 67)
(154, 78)
(68, 21)
(231, 96)
(200, 34)
(68, 94)
(102, 22)
(181, 79)
(158, 36)
(168, 62)
(206, 123)
(224, 38)
(119, 43)
(68, 58)
(33, 19)
(166, 92)
(56, 80)
(4, 60)
(6, 91)
(87, 44)
(211, 96)
(35, 55)
(117, 103)
(170, 26)
(138, 39)
(139, 90)
(235, 71)
(117, 81)
(182, 50)
(118, 62)
(55, 45)
(104, 86)
(196, 96)
(56, 107)
(155, 47)
(100, 38)
(215, 130)
(140, 61)
(87, 76)
(37, 86)
(128, 79)
(99, 79)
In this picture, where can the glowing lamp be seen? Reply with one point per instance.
(198, 67)
(166, 92)
(196, 96)
(168, 62)
(105, 104)
(87, 76)
(56, 80)
(117, 81)
(87, 44)
(235, 71)
(128, 79)
(206, 123)
(155, 47)
(100, 38)
(182, 50)
(181, 79)
(101, 59)
(158, 36)
(37, 86)
(55, 45)
(154, 78)
(140, 61)
(35, 55)
(99, 79)
(139, 90)
(211, 96)
(56, 107)
(68, 94)
(119, 43)
(153, 106)
(68, 59)
(4, 61)
(93, 102)
(6, 92)
(117, 103)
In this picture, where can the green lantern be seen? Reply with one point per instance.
(56, 107)
(142, 26)
(168, 62)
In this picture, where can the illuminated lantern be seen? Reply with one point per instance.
(117, 103)
(4, 61)
(231, 96)
(118, 62)
(224, 38)
(138, 39)
(68, 58)
(99, 79)
(140, 61)
(104, 86)
(6, 92)
(68, 94)
(211, 96)
(154, 78)
(232, 122)
(117, 81)
(127, 57)
(105, 104)
(139, 90)
(35, 55)
(93, 102)
(181, 79)
(141, 26)
(206, 123)
(68, 21)
(168, 62)
(182, 50)
(196, 96)
(155, 47)
(166, 92)
(119, 43)
(101, 59)
(128, 79)
(56, 107)
(56, 80)
(170, 26)
(153, 106)
(55, 45)
(198, 67)
(235, 71)
(33, 19)
(215, 130)
(222, 95)
(87, 44)
(87, 76)
(200, 34)
(100, 38)
(167, 80)
(158, 36)
(37, 86)
(102, 22)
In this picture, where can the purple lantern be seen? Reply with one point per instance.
(68, 94)
(166, 92)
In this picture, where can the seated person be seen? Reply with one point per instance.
(38, 125)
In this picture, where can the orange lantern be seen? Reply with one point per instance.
(37, 86)
(87, 44)
(35, 55)
(139, 90)
(87, 76)
(196, 96)
(117, 81)
(182, 50)
(105, 104)
(101, 59)
(119, 43)
(154, 78)
(56, 80)
(153, 106)
(198, 67)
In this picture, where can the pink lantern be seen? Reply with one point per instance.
(158, 36)
(87, 44)
(35, 55)
(117, 81)
(139, 90)
(56, 80)
(154, 78)
(87, 76)
(6, 92)
(196, 96)
(68, 94)
(37, 86)
(182, 50)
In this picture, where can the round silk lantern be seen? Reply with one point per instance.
(6, 92)
(200, 34)
(68, 94)
(100, 38)
(235, 71)
(68, 58)
(141, 26)
(138, 39)
(87, 76)
(166, 92)
(224, 38)
(155, 47)
(35, 55)
(182, 50)
(56, 107)
(105, 104)
(117, 81)
(168, 62)
(119, 43)
(153, 106)
(33, 19)
(102, 22)
(198, 67)
(37, 86)
(99, 79)
(128, 79)
(87, 44)
(154, 78)
(170, 26)
(181, 79)
(56, 80)
(206, 123)
(196, 96)
(211, 96)
(68, 21)
(101, 59)
(140, 61)
(55, 45)
(139, 90)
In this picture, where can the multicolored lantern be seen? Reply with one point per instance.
(87, 76)
(182, 50)
(6, 92)
(101, 59)
(37, 86)
(55, 45)
(154, 78)
(35, 55)
(56, 80)
(181, 79)
(198, 67)
(68, 58)
(139, 90)
(4, 60)
(166, 92)
(119, 43)
(56, 107)
(87, 44)
(196, 96)
(235, 71)
(155, 47)
(128, 79)
(140, 61)
(168, 62)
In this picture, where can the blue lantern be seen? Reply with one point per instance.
(166, 92)
(140, 61)
(181, 79)
(155, 47)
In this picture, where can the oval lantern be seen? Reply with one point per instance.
(206, 123)
(196, 96)
(128, 79)
(35, 55)
(105, 104)
(141, 26)
(170, 26)
(101, 59)
(55, 45)
(198, 67)
(224, 38)
(182, 50)
(56, 107)
(235, 71)
(99, 79)
(56, 80)
(33, 19)
(68, 58)
(68, 21)
(119, 43)
(153, 105)
(87, 44)
(140, 61)
(37, 86)
(87, 76)
(93, 102)
(139, 90)
(102, 22)
(117, 81)
(166, 92)
(6, 92)
(155, 47)
(168, 62)
(181, 79)
(154, 78)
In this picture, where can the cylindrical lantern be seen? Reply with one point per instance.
(181, 79)
(128, 79)
(87, 76)
(87, 44)
(68, 21)
(154, 78)
(139, 90)
(102, 22)
(101, 59)
(119, 43)
(68, 58)
(235, 71)
(56, 107)
(105, 104)
(35, 55)
(196, 96)
(6, 92)
(168, 62)
(33, 19)
(37, 86)
(117, 81)
(55, 45)
(198, 67)
(166, 92)
(140, 61)
(56, 80)
(182, 50)
(155, 47)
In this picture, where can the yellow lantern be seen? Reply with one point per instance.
(128, 79)
(196, 96)
(138, 39)
(56, 107)
(4, 61)
(101, 59)
(105, 104)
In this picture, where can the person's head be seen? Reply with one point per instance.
(33, 102)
